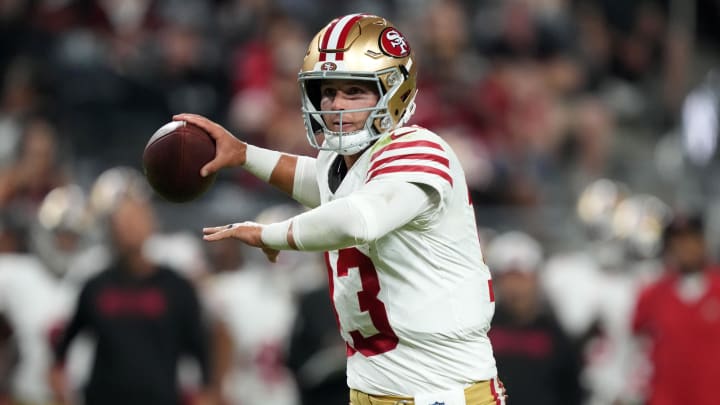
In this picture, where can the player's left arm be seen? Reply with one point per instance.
(366, 215)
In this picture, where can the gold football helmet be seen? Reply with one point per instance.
(112, 186)
(61, 230)
(358, 47)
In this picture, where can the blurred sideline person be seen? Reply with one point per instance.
(36, 170)
(253, 306)
(30, 292)
(538, 361)
(8, 359)
(143, 318)
(316, 353)
(593, 287)
(679, 314)
(177, 251)
(390, 206)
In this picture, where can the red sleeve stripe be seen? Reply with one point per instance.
(396, 135)
(415, 156)
(411, 169)
(410, 144)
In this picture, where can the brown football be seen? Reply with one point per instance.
(173, 158)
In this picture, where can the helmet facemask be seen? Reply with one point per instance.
(379, 122)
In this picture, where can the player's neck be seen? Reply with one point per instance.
(137, 264)
(351, 159)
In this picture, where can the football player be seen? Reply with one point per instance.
(390, 206)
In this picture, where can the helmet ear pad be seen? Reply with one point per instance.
(398, 105)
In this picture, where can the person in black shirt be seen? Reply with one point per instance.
(316, 353)
(143, 317)
(539, 363)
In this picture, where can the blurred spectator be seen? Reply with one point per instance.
(13, 233)
(255, 372)
(571, 274)
(23, 88)
(593, 286)
(443, 100)
(539, 99)
(317, 354)
(590, 142)
(187, 64)
(60, 233)
(255, 361)
(29, 300)
(265, 106)
(8, 359)
(680, 316)
(144, 318)
(538, 361)
(95, 251)
(36, 170)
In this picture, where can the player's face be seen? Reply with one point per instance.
(517, 291)
(132, 224)
(341, 95)
(687, 251)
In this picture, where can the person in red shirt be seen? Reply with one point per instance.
(680, 316)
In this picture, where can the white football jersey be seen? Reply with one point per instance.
(257, 307)
(415, 305)
(29, 297)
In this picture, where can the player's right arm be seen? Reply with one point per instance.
(292, 174)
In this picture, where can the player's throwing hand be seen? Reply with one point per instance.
(229, 151)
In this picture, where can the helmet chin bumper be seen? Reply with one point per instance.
(349, 143)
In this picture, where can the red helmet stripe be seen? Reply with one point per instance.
(336, 35)
(344, 34)
(326, 39)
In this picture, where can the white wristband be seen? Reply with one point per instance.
(276, 235)
(261, 162)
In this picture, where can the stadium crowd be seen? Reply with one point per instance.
(587, 129)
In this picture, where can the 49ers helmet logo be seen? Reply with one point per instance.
(393, 43)
(328, 66)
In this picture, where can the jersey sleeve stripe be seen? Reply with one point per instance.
(415, 156)
(410, 144)
(411, 169)
(396, 135)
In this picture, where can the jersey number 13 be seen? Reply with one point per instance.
(351, 259)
